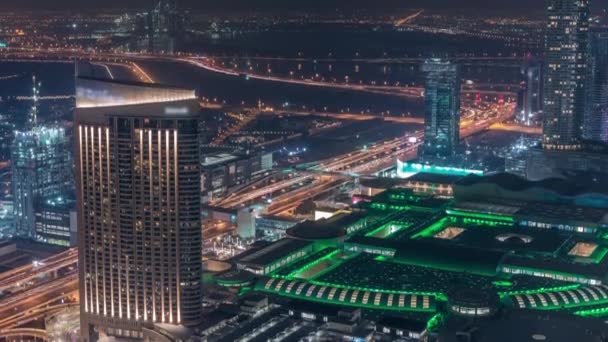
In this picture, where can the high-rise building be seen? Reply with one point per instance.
(138, 198)
(531, 96)
(596, 115)
(41, 168)
(442, 108)
(566, 53)
(167, 26)
(56, 221)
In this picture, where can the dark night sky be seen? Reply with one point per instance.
(511, 5)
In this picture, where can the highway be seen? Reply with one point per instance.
(210, 64)
(19, 277)
(366, 161)
(30, 292)
(36, 302)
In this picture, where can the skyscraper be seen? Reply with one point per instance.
(167, 26)
(531, 102)
(138, 174)
(41, 168)
(566, 73)
(596, 115)
(442, 108)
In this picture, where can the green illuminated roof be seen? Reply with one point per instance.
(349, 296)
(566, 297)
(405, 169)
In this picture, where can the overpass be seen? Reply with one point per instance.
(21, 276)
(24, 334)
(517, 128)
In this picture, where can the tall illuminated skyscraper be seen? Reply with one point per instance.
(167, 26)
(442, 108)
(596, 115)
(138, 177)
(41, 167)
(566, 54)
(531, 104)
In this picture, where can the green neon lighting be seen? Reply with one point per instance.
(572, 305)
(244, 290)
(356, 304)
(578, 278)
(298, 264)
(435, 322)
(446, 267)
(405, 170)
(502, 283)
(541, 290)
(311, 264)
(3, 45)
(480, 215)
(391, 207)
(437, 296)
(431, 230)
(598, 312)
(599, 255)
(387, 229)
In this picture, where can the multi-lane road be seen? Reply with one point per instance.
(30, 292)
(20, 277)
(33, 291)
(286, 194)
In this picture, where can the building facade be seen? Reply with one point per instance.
(566, 54)
(56, 221)
(222, 171)
(596, 116)
(531, 99)
(41, 168)
(442, 108)
(138, 174)
(166, 27)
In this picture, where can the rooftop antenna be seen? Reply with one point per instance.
(35, 96)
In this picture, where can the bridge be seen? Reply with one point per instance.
(24, 334)
(517, 128)
(19, 277)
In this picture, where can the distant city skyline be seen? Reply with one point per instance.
(278, 5)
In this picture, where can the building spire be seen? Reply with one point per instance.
(33, 120)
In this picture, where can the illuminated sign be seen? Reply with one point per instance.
(3, 45)
(406, 170)
(176, 110)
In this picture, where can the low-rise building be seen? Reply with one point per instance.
(222, 170)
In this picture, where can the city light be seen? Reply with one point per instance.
(324, 173)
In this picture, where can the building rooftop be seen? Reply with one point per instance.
(273, 252)
(94, 92)
(509, 238)
(329, 228)
(531, 326)
(516, 183)
(437, 253)
(94, 97)
(534, 210)
(560, 265)
(382, 183)
(401, 323)
(219, 158)
(564, 212)
(396, 199)
(438, 178)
